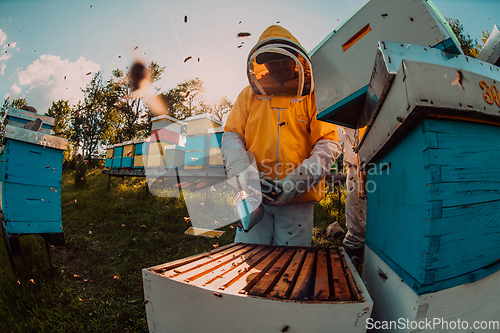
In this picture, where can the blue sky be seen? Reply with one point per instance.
(51, 45)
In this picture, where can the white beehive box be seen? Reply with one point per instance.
(257, 288)
(343, 61)
(397, 303)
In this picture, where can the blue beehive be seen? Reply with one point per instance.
(31, 171)
(433, 191)
(216, 136)
(200, 142)
(196, 159)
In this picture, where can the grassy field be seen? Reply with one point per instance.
(94, 282)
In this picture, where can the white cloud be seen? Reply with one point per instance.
(3, 37)
(51, 79)
(15, 90)
(6, 51)
(5, 56)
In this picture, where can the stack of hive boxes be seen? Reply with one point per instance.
(108, 162)
(128, 154)
(30, 177)
(139, 155)
(215, 159)
(116, 162)
(198, 140)
(166, 144)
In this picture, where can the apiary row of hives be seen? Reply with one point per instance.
(193, 143)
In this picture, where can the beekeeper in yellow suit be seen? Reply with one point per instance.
(272, 129)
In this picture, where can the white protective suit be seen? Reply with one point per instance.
(355, 207)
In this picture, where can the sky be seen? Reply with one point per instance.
(48, 47)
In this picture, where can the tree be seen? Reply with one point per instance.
(131, 106)
(468, 45)
(222, 107)
(61, 112)
(93, 121)
(184, 100)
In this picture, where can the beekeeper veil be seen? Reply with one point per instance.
(279, 66)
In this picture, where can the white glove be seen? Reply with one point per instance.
(240, 173)
(240, 166)
(294, 184)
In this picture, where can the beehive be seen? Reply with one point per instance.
(19, 118)
(199, 124)
(257, 288)
(167, 122)
(343, 61)
(174, 156)
(433, 138)
(215, 159)
(30, 182)
(474, 302)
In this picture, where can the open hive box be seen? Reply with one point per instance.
(257, 288)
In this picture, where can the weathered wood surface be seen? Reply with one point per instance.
(295, 273)
(239, 300)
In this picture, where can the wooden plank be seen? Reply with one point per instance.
(256, 273)
(340, 287)
(227, 272)
(465, 173)
(284, 286)
(206, 268)
(269, 280)
(304, 280)
(321, 285)
(230, 274)
(187, 264)
(161, 269)
(463, 193)
(245, 271)
(31, 203)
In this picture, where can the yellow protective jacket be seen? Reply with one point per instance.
(280, 130)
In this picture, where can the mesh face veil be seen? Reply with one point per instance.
(279, 52)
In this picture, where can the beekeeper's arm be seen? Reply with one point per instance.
(240, 165)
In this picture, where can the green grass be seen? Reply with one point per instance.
(94, 282)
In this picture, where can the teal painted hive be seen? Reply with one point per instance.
(434, 214)
(31, 171)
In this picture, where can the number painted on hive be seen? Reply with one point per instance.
(491, 95)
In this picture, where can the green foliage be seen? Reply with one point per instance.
(61, 112)
(93, 121)
(184, 100)
(469, 45)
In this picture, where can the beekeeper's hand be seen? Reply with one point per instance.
(294, 184)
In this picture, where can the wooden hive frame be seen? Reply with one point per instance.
(257, 288)
(305, 274)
